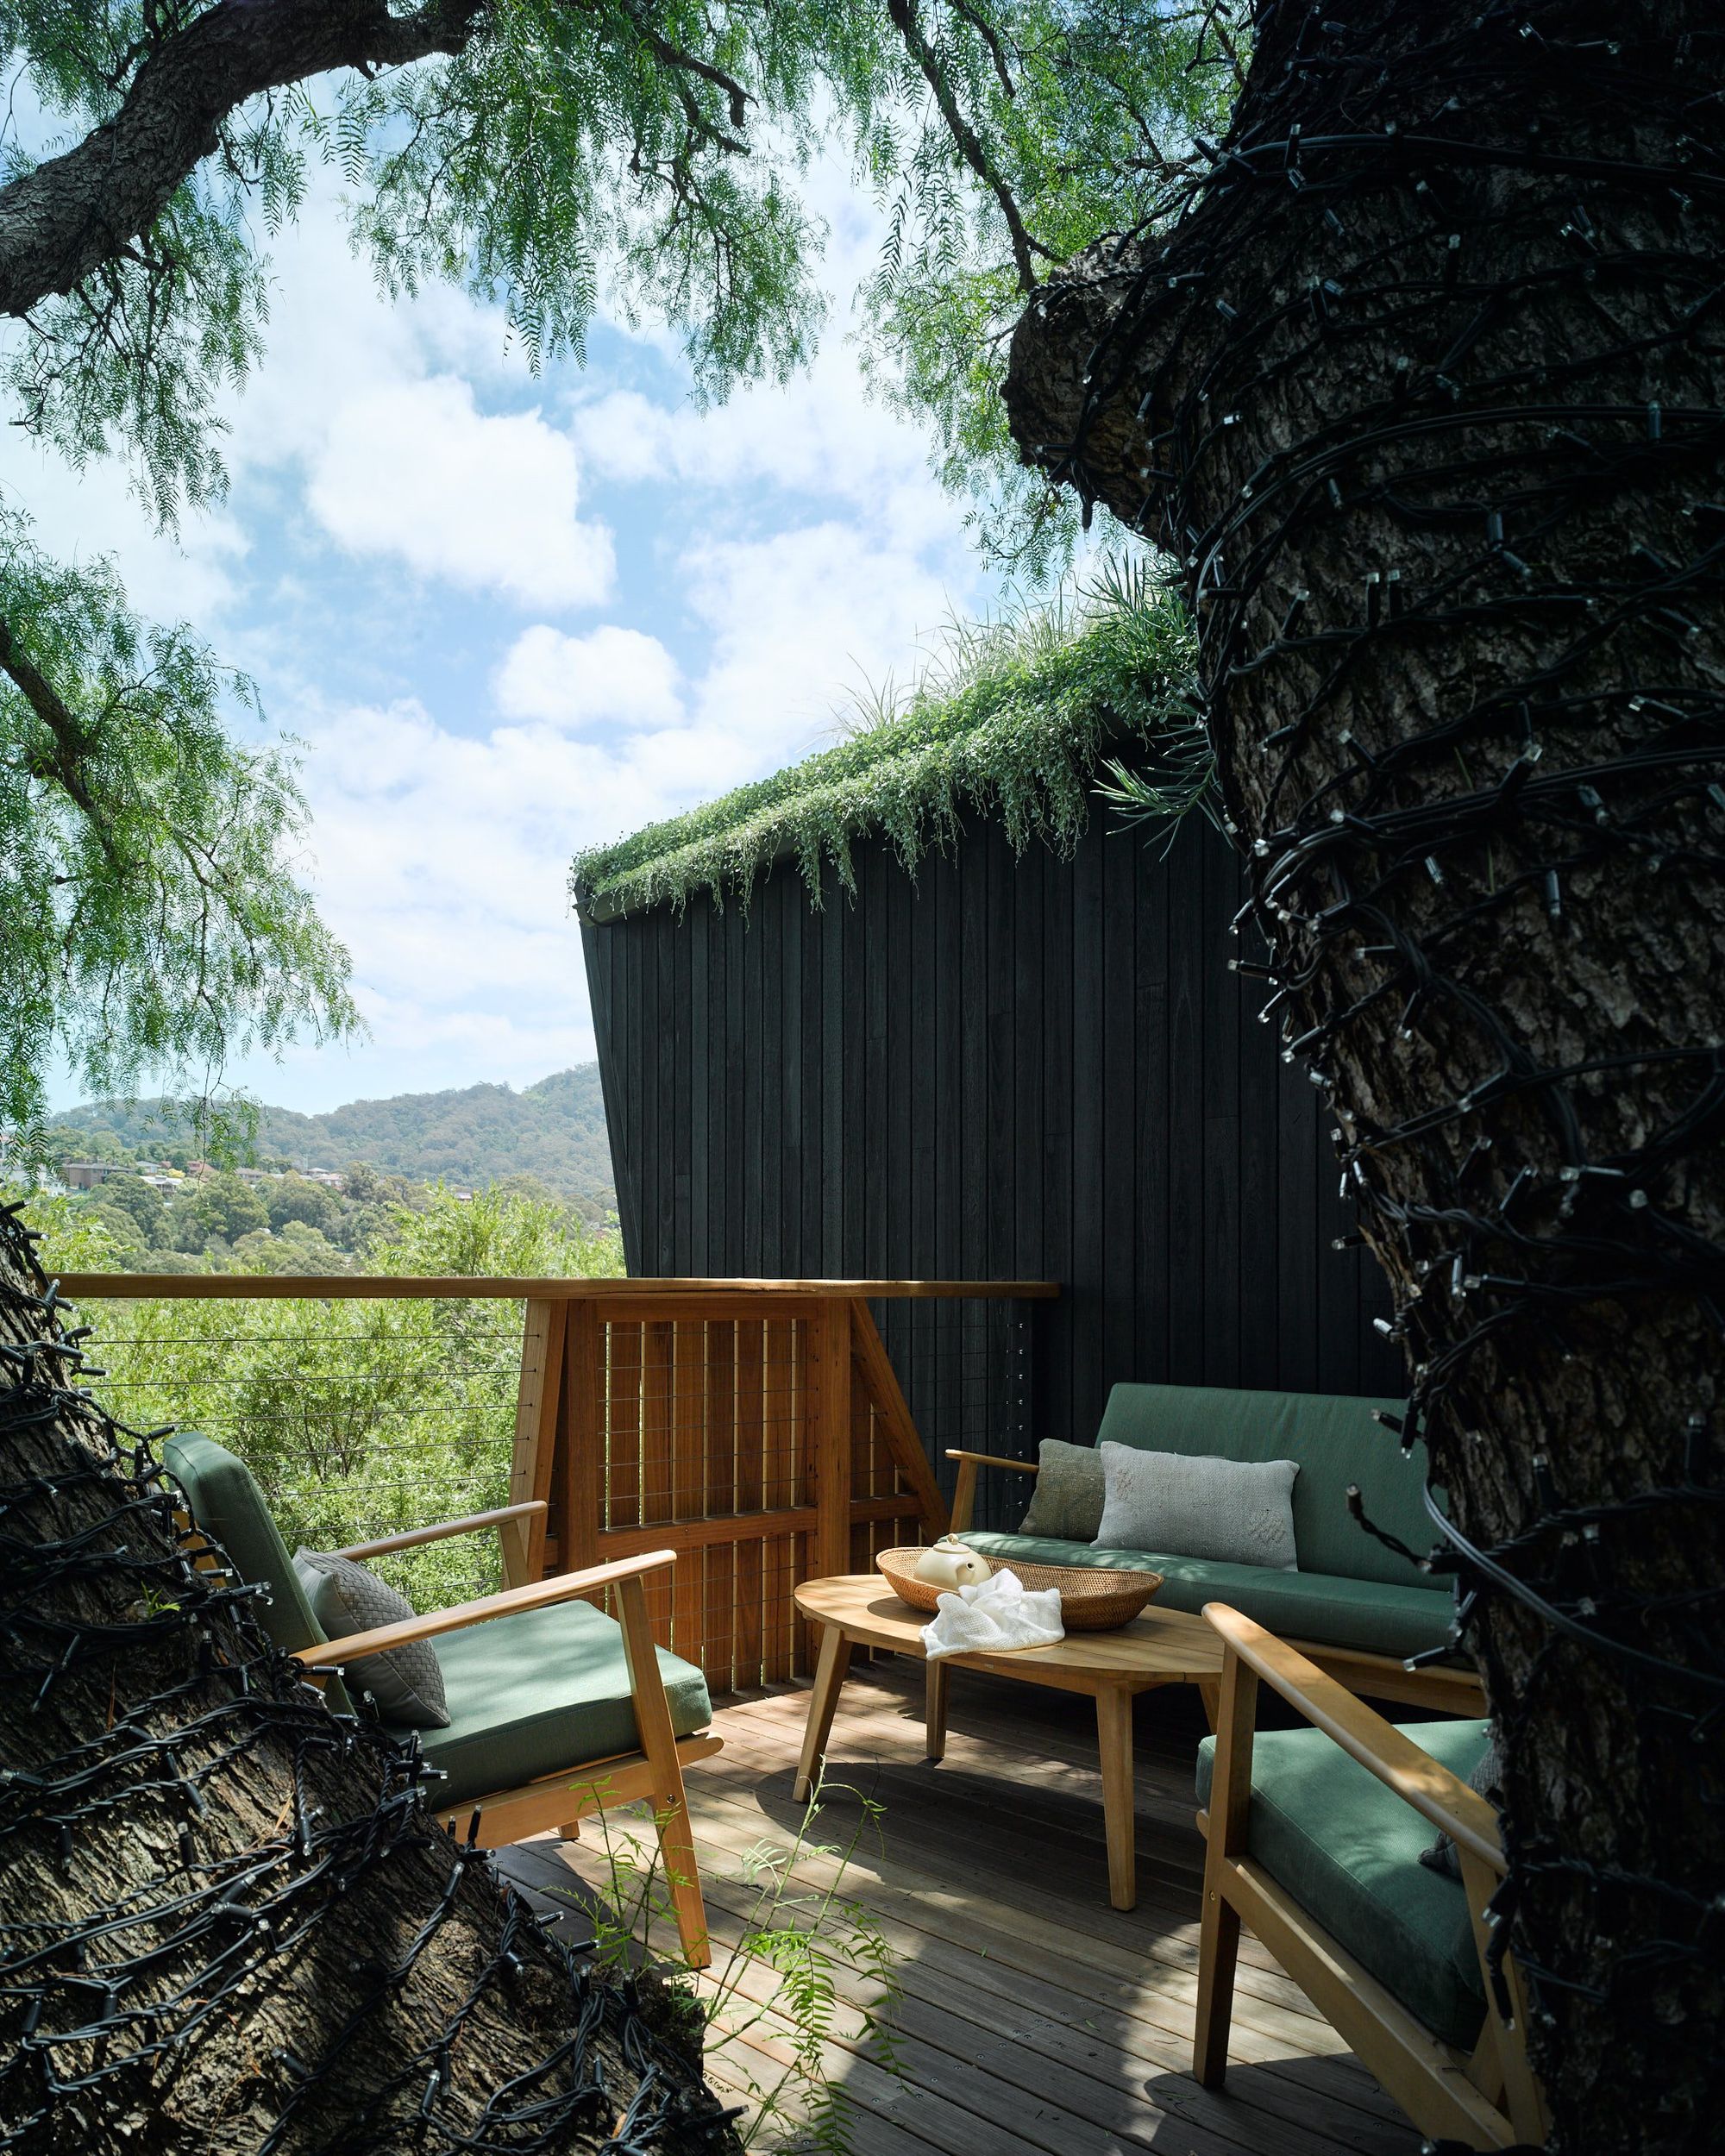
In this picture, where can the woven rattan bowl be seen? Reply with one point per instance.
(1089, 1601)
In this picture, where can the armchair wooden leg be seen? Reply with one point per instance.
(1219, 1931)
(569, 1831)
(671, 1804)
(1219, 1935)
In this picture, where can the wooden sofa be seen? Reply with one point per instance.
(1314, 1839)
(1355, 1607)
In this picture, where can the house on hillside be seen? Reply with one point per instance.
(925, 1005)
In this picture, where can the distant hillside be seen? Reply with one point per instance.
(554, 1129)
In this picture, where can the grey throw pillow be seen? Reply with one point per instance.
(1484, 1781)
(1066, 1503)
(1232, 1512)
(406, 1682)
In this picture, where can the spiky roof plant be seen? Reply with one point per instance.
(1011, 720)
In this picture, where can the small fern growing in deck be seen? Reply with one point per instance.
(806, 1967)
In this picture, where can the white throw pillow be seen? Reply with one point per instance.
(1232, 1512)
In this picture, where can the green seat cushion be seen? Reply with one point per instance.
(544, 1689)
(1348, 1851)
(1334, 1437)
(1326, 1607)
(228, 1507)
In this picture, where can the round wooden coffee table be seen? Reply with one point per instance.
(1161, 1647)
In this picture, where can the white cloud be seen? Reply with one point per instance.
(417, 471)
(797, 621)
(616, 674)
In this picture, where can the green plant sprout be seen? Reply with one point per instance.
(813, 1936)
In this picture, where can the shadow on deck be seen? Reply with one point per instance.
(1034, 2017)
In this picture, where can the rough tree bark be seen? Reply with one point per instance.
(227, 1925)
(1421, 387)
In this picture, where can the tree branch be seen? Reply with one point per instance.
(61, 221)
(904, 15)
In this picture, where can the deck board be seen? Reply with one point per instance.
(1034, 2015)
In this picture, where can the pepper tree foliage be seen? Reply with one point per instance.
(547, 155)
(1012, 721)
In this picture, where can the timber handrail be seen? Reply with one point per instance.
(561, 1586)
(414, 1288)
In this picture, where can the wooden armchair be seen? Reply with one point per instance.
(1313, 1839)
(556, 1710)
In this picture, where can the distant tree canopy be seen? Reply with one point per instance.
(644, 154)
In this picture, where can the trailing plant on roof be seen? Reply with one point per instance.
(1009, 721)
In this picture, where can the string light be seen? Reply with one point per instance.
(1586, 747)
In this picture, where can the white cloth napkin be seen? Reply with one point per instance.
(995, 1614)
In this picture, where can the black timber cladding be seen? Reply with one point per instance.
(1006, 1067)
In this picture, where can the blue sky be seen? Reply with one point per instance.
(508, 617)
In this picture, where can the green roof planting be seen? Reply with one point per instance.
(1011, 722)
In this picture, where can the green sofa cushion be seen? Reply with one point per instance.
(229, 1508)
(541, 1690)
(1324, 1607)
(1348, 1850)
(1336, 1442)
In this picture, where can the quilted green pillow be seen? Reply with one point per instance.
(1067, 1506)
(405, 1682)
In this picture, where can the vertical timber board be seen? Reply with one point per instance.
(1224, 1219)
(828, 1425)
(835, 990)
(1095, 1279)
(689, 1493)
(751, 1496)
(718, 1656)
(1125, 871)
(704, 1095)
(537, 1394)
(1186, 1110)
(1152, 1304)
(657, 1437)
(582, 1428)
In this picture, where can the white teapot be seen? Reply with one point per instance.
(950, 1564)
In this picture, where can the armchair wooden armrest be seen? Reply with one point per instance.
(564, 1586)
(964, 1490)
(1487, 2096)
(1439, 1796)
(471, 1525)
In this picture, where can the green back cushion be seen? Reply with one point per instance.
(1336, 1442)
(1348, 1850)
(229, 1508)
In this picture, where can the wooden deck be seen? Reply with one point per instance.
(1034, 2017)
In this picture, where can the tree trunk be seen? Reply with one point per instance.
(1422, 388)
(229, 1925)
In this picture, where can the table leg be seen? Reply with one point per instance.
(828, 1674)
(1114, 1743)
(934, 1710)
(1210, 1691)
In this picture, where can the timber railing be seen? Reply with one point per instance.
(758, 1427)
